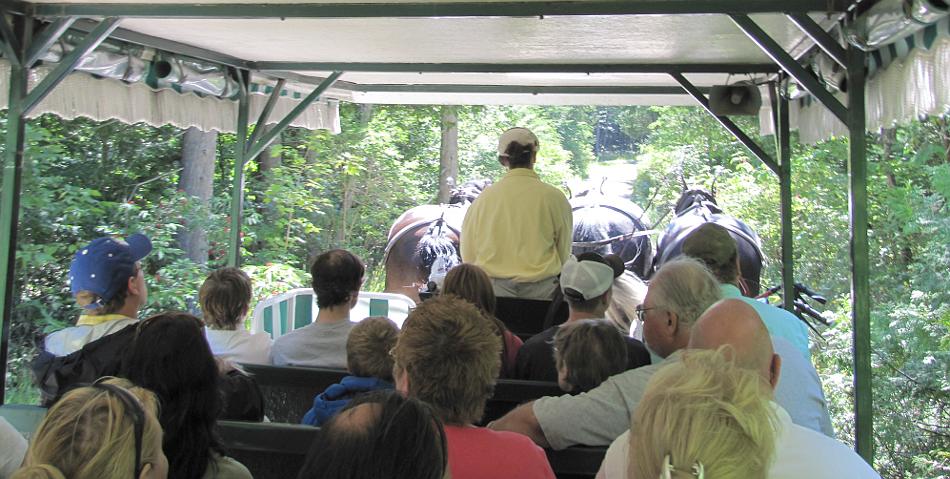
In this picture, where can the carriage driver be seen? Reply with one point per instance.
(519, 229)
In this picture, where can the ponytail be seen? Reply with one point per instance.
(39, 471)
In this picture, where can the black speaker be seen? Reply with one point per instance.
(737, 99)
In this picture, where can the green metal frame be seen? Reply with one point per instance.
(23, 48)
(783, 150)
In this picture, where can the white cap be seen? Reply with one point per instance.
(589, 278)
(521, 136)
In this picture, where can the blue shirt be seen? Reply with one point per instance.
(329, 402)
(778, 321)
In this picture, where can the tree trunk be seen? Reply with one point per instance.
(269, 158)
(449, 156)
(198, 150)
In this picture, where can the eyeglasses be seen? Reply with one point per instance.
(640, 312)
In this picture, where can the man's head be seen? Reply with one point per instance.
(368, 347)
(225, 297)
(337, 276)
(713, 245)
(518, 148)
(678, 293)
(448, 355)
(587, 280)
(105, 276)
(735, 323)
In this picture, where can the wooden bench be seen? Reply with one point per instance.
(289, 391)
(278, 451)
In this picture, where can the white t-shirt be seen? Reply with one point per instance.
(12, 449)
(239, 346)
(799, 453)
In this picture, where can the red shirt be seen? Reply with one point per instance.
(481, 453)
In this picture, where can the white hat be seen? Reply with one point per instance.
(521, 136)
(588, 277)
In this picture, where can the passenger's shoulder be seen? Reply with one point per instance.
(224, 467)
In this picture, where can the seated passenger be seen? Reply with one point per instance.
(447, 356)
(587, 284)
(379, 435)
(337, 276)
(627, 294)
(369, 364)
(472, 284)
(225, 297)
(171, 357)
(701, 416)
(107, 281)
(13, 450)
(587, 352)
(105, 431)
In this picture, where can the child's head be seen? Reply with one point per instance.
(587, 352)
(368, 346)
(225, 297)
(109, 430)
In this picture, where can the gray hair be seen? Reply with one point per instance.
(685, 287)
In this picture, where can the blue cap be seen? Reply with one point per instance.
(104, 266)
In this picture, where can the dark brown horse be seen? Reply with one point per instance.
(697, 206)
(423, 235)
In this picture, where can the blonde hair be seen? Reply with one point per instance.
(368, 346)
(88, 434)
(628, 293)
(450, 352)
(703, 409)
(225, 296)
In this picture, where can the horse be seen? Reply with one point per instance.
(698, 206)
(424, 236)
(611, 224)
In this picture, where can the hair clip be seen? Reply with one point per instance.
(667, 469)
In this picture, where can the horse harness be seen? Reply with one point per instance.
(438, 222)
(612, 239)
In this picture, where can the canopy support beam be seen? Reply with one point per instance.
(237, 184)
(11, 45)
(266, 111)
(727, 123)
(860, 262)
(69, 62)
(584, 68)
(823, 39)
(780, 120)
(46, 38)
(790, 65)
(10, 194)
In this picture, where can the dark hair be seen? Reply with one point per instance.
(170, 356)
(225, 297)
(389, 436)
(114, 304)
(592, 350)
(335, 276)
(519, 156)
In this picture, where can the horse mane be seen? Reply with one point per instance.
(468, 191)
(628, 293)
(435, 245)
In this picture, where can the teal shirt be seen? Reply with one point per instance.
(779, 322)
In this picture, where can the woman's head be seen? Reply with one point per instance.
(472, 284)
(587, 352)
(336, 276)
(379, 434)
(108, 430)
(703, 411)
(447, 355)
(170, 356)
(225, 296)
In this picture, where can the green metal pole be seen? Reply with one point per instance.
(783, 136)
(237, 188)
(10, 207)
(860, 270)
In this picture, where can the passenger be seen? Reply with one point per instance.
(369, 364)
(108, 282)
(13, 450)
(447, 356)
(701, 416)
(105, 431)
(379, 435)
(627, 294)
(587, 284)
(472, 284)
(337, 277)
(225, 297)
(519, 229)
(679, 292)
(712, 244)
(799, 451)
(587, 352)
(171, 357)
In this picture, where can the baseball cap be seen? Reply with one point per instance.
(589, 275)
(712, 244)
(521, 136)
(103, 266)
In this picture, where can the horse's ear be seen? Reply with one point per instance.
(683, 182)
(570, 194)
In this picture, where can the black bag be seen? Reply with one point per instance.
(241, 397)
(55, 375)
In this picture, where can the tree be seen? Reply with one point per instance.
(449, 157)
(198, 149)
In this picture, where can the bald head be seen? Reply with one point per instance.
(733, 322)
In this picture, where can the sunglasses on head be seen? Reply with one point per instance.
(133, 408)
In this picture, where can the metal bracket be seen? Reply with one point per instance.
(69, 62)
(265, 113)
(45, 39)
(11, 46)
(821, 38)
(790, 65)
(727, 123)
